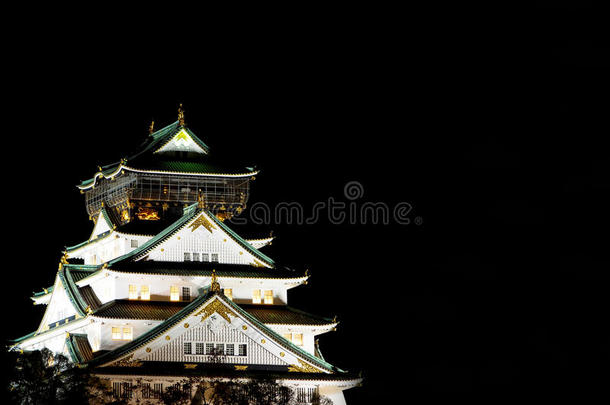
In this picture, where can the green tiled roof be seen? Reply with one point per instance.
(204, 269)
(49, 290)
(161, 310)
(172, 369)
(150, 310)
(242, 241)
(80, 305)
(89, 297)
(172, 320)
(282, 341)
(22, 338)
(152, 333)
(146, 160)
(190, 213)
(79, 347)
(284, 315)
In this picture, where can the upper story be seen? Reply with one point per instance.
(177, 262)
(167, 172)
(109, 240)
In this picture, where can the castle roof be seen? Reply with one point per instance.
(153, 157)
(218, 303)
(162, 310)
(186, 369)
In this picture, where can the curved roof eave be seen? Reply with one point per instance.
(88, 184)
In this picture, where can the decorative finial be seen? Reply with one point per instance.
(181, 115)
(63, 260)
(201, 199)
(151, 129)
(215, 284)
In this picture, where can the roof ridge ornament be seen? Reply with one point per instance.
(151, 128)
(200, 199)
(215, 285)
(63, 260)
(181, 115)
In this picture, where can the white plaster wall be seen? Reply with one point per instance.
(139, 327)
(117, 284)
(201, 241)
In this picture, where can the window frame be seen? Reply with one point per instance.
(256, 296)
(174, 293)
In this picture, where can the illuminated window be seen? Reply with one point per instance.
(229, 293)
(297, 339)
(174, 294)
(256, 296)
(187, 257)
(188, 348)
(145, 292)
(209, 348)
(127, 333)
(133, 292)
(268, 297)
(186, 293)
(116, 333)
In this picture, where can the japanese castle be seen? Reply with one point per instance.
(163, 289)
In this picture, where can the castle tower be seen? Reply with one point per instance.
(163, 289)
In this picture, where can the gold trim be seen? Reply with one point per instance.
(127, 362)
(215, 286)
(218, 307)
(181, 115)
(302, 368)
(202, 221)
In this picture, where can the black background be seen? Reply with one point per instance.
(491, 124)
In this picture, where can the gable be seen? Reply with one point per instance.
(102, 225)
(182, 141)
(59, 310)
(216, 321)
(206, 235)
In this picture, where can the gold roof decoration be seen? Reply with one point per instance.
(151, 128)
(181, 115)
(215, 285)
(200, 199)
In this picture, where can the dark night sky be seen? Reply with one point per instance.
(492, 127)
